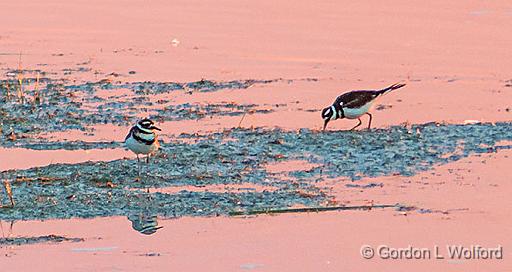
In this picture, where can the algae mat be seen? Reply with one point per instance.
(238, 156)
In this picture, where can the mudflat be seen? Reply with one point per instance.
(237, 88)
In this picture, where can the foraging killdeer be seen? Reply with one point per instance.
(354, 104)
(142, 138)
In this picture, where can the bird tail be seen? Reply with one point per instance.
(390, 88)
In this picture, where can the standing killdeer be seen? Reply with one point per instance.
(354, 104)
(142, 138)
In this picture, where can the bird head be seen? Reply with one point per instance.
(147, 124)
(327, 114)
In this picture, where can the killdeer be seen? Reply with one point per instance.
(354, 104)
(142, 138)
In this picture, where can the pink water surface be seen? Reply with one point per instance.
(454, 56)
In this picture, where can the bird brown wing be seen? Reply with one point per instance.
(355, 99)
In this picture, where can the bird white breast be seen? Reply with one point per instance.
(354, 113)
(141, 148)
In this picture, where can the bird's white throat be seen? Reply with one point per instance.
(144, 129)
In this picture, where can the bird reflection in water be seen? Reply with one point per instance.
(144, 223)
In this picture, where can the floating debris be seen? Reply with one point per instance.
(8, 190)
(318, 209)
(19, 241)
(364, 186)
(175, 42)
(471, 122)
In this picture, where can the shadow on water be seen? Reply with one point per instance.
(107, 188)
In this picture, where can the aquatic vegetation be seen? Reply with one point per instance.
(113, 188)
(59, 106)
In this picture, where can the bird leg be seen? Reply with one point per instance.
(138, 167)
(360, 122)
(147, 158)
(370, 123)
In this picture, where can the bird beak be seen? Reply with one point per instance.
(153, 127)
(325, 124)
